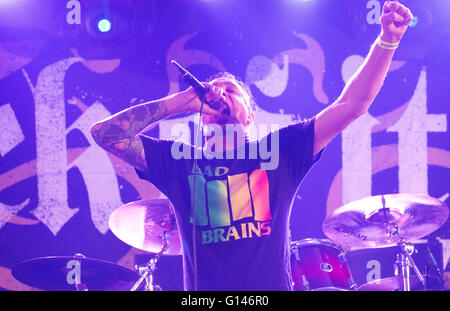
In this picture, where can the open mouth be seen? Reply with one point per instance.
(225, 116)
(227, 110)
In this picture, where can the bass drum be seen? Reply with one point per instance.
(319, 265)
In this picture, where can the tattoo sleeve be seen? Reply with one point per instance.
(117, 134)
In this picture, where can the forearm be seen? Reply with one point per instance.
(355, 99)
(117, 131)
(364, 85)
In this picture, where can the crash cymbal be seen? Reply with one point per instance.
(384, 220)
(396, 284)
(62, 273)
(142, 224)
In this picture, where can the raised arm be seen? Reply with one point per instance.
(117, 134)
(363, 86)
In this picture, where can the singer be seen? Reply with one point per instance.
(240, 215)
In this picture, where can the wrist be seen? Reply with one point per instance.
(184, 100)
(387, 43)
(390, 38)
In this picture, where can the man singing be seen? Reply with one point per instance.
(233, 211)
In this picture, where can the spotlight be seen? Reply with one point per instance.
(104, 25)
(109, 22)
(106, 31)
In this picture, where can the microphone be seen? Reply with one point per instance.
(198, 87)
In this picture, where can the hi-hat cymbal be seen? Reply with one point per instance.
(63, 273)
(143, 225)
(384, 220)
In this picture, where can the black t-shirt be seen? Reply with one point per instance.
(242, 207)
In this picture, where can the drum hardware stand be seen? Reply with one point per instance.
(404, 261)
(434, 264)
(147, 270)
(306, 283)
(342, 260)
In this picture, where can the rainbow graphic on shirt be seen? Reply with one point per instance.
(233, 207)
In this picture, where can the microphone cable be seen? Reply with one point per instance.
(199, 89)
(194, 191)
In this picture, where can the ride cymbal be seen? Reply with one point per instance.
(384, 220)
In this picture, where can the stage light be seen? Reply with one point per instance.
(104, 25)
(106, 31)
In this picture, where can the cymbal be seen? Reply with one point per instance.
(384, 220)
(396, 284)
(59, 273)
(143, 224)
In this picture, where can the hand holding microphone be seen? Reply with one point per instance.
(211, 94)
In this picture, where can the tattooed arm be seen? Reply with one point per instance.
(117, 134)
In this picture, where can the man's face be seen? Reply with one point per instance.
(238, 102)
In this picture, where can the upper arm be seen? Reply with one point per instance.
(331, 121)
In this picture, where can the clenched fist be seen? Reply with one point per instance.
(394, 21)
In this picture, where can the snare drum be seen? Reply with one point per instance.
(319, 265)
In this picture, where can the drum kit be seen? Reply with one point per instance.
(316, 264)
(374, 222)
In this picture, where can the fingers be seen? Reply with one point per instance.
(393, 17)
(216, 94)
(390, 6)
(213, 94)
(406, 14)
(394, 10)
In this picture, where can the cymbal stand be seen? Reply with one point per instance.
(146, 271)
(404, 261)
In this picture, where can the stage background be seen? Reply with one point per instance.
(58, 76)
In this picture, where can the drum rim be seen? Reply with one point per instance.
(314, 241)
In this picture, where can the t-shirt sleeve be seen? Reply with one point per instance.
(297, 147)
(161, 165)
